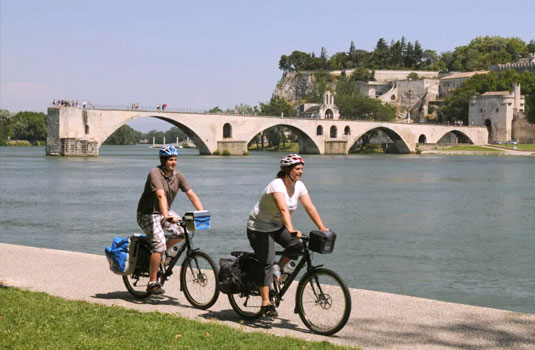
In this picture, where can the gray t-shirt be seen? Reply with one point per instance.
(266, 215)
(157, 180)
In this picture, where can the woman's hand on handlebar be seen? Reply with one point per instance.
(296, 234)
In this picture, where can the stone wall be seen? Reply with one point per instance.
(53, 141)
(335, 147)
(523, 131)
(233, 148)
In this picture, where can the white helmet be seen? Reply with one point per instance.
(291, 159)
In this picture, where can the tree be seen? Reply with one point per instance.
(215, 110)
(6, 130)
(30, 126)
(455, 107)
(125, 135)
(277, 106)
(381, 54)
(531, 46)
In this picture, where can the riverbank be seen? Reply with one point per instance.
(378, 320)
(484, 150)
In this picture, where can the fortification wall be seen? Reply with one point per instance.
(523, 131)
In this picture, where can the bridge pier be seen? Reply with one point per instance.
(58, 145)
(335, 147)
(233, 148)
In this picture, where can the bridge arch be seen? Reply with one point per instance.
(422, 139)
(455, 135)
(306, 142)
(400, 145)
(192, 134)
(347, 130)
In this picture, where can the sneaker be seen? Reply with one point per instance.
(269, 310)
(155, 288)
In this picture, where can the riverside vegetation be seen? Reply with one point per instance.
(34, 320)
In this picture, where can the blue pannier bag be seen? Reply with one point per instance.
(197, 220)
(122, 255)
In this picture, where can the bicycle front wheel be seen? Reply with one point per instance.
(246, 305)
(323, 301)
(198, 278)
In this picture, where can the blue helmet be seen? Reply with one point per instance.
(168, 151)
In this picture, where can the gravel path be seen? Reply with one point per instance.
(378, 320)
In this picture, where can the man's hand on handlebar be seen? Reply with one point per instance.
(172, 219)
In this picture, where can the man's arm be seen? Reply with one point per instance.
(162, 203)
(194, 199)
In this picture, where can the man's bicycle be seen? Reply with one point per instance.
(198, 272)
(322, 298)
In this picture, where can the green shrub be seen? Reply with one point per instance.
(226, 152)
(216, 152)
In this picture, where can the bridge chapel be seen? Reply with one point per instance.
(326, 110)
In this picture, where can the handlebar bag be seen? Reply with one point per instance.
(322, 241)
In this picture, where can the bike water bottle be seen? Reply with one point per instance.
(170, 254)
(288, 269)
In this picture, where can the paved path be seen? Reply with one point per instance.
(378, 320)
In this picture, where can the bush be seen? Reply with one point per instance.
(226, 152)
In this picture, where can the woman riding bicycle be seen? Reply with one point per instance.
(154, 214)
(270, 221)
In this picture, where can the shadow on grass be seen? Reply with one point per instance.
(151, 300)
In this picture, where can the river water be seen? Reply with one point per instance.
(452, 228)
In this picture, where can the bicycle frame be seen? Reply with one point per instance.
(187, 245)
(306, 259)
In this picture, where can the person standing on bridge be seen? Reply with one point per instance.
(270, 221)
(154, 214)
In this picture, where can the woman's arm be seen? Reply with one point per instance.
(312, 211)
(280, 200)
(194, 199)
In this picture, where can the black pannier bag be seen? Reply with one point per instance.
(237, 273)
(322, 241)
(228, 281)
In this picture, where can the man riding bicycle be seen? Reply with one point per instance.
(154, 214)
(270, 221)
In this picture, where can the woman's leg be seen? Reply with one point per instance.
(264, 248)
(292, 246)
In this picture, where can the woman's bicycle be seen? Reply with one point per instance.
(322, 298)
(198, 272)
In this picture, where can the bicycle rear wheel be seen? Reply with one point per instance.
(323, 301)
(136, 284)
(198, 278)
(247, 306)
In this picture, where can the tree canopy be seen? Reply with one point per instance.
(479, 54)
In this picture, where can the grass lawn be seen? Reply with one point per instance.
(31, 320)
(469, 148)
(519, 147)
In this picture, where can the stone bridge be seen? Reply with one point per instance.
(80, 132)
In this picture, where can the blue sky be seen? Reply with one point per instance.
(210, 53)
